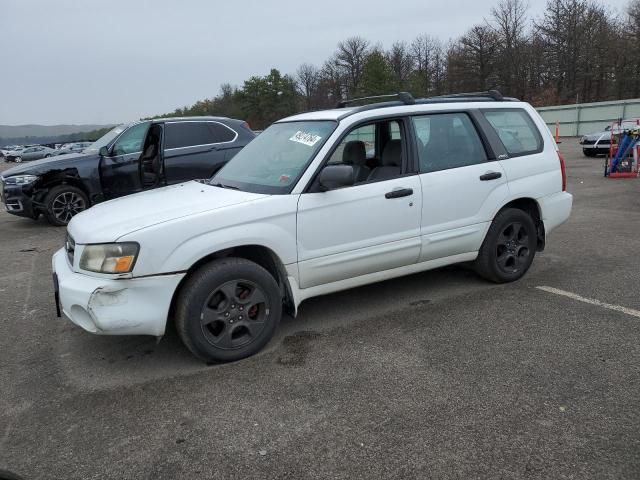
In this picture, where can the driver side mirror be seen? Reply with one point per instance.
(104, 151)
(336, 176)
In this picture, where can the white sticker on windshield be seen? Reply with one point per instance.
(305, 138)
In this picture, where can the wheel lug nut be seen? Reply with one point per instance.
(240, 308)
(240, 317)
(226, 314)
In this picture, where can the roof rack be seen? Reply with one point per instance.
(493, 94)
(405, 97)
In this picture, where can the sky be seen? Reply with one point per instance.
(113, 61)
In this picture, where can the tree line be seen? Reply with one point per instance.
(576, 51)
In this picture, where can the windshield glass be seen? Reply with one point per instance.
(274, 161)
(104, 140)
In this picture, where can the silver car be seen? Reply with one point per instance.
(35, 152)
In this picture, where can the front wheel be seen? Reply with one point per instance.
(589, 153)
(509, 247)
(18, 160)
(228, 310)
(63, 203)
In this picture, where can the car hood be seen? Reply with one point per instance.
(46, 164)
(108, 221)
(595, 136)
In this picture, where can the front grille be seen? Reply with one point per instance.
(588, 142)
(70, 247)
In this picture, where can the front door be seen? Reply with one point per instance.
(120, 171)
(369, 227)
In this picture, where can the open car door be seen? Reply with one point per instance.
(120, 170)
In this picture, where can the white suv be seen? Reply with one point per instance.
(319, 202)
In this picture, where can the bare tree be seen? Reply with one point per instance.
(509, 23)
(351, 57)
(401, 62)
(307, 79)
(428, 60)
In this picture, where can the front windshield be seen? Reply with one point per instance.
(274, 161)
(104, 140)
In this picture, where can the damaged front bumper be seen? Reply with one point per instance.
(130, 306)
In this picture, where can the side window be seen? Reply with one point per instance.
(516, 130)
(447, 140)
(365, 134)
(358, 148)
(220, 133)
(395, 130)
(131, 140)
(189, 134)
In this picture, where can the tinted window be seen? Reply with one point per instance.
(220, 133)
(516, 130)
(447, 140)
(188, 134)
(131, 140)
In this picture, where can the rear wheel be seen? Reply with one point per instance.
(509, 247)
(228, 310)
(63, 203)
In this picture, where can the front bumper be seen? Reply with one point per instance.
(17, 201)
(132, 306)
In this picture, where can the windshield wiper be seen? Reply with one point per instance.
(222, 185)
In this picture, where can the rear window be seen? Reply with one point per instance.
(516, 130)
(188, 134)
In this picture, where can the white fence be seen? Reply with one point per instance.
(581, 118)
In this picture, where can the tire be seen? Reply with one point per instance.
(18, 159)
(63, 203)
(509, 247)
(589, 153)
(217, 295)
(47, 155)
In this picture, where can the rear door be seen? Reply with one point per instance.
(120, 171)
(462, 183)
(195, 149)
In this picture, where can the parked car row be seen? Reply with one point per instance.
(25, 153)
(303, 210)
(128, 159)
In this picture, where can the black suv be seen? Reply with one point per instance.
(128, 159)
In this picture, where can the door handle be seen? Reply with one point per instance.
(490, 176)
(400, 192)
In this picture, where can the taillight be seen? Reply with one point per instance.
(563, 169)
(246, 124)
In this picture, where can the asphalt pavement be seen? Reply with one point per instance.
(436, 375)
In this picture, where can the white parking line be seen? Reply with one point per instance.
(598, 303)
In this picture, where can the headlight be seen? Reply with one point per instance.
(109, 257)
(21, 179)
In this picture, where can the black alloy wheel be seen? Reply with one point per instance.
(512, 249)
(234, 314)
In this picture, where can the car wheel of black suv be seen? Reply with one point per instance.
(63, 203)
(509, 247)
(228, 310)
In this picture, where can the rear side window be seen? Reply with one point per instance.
(188, 134)
(447, 140)
(516, 130)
